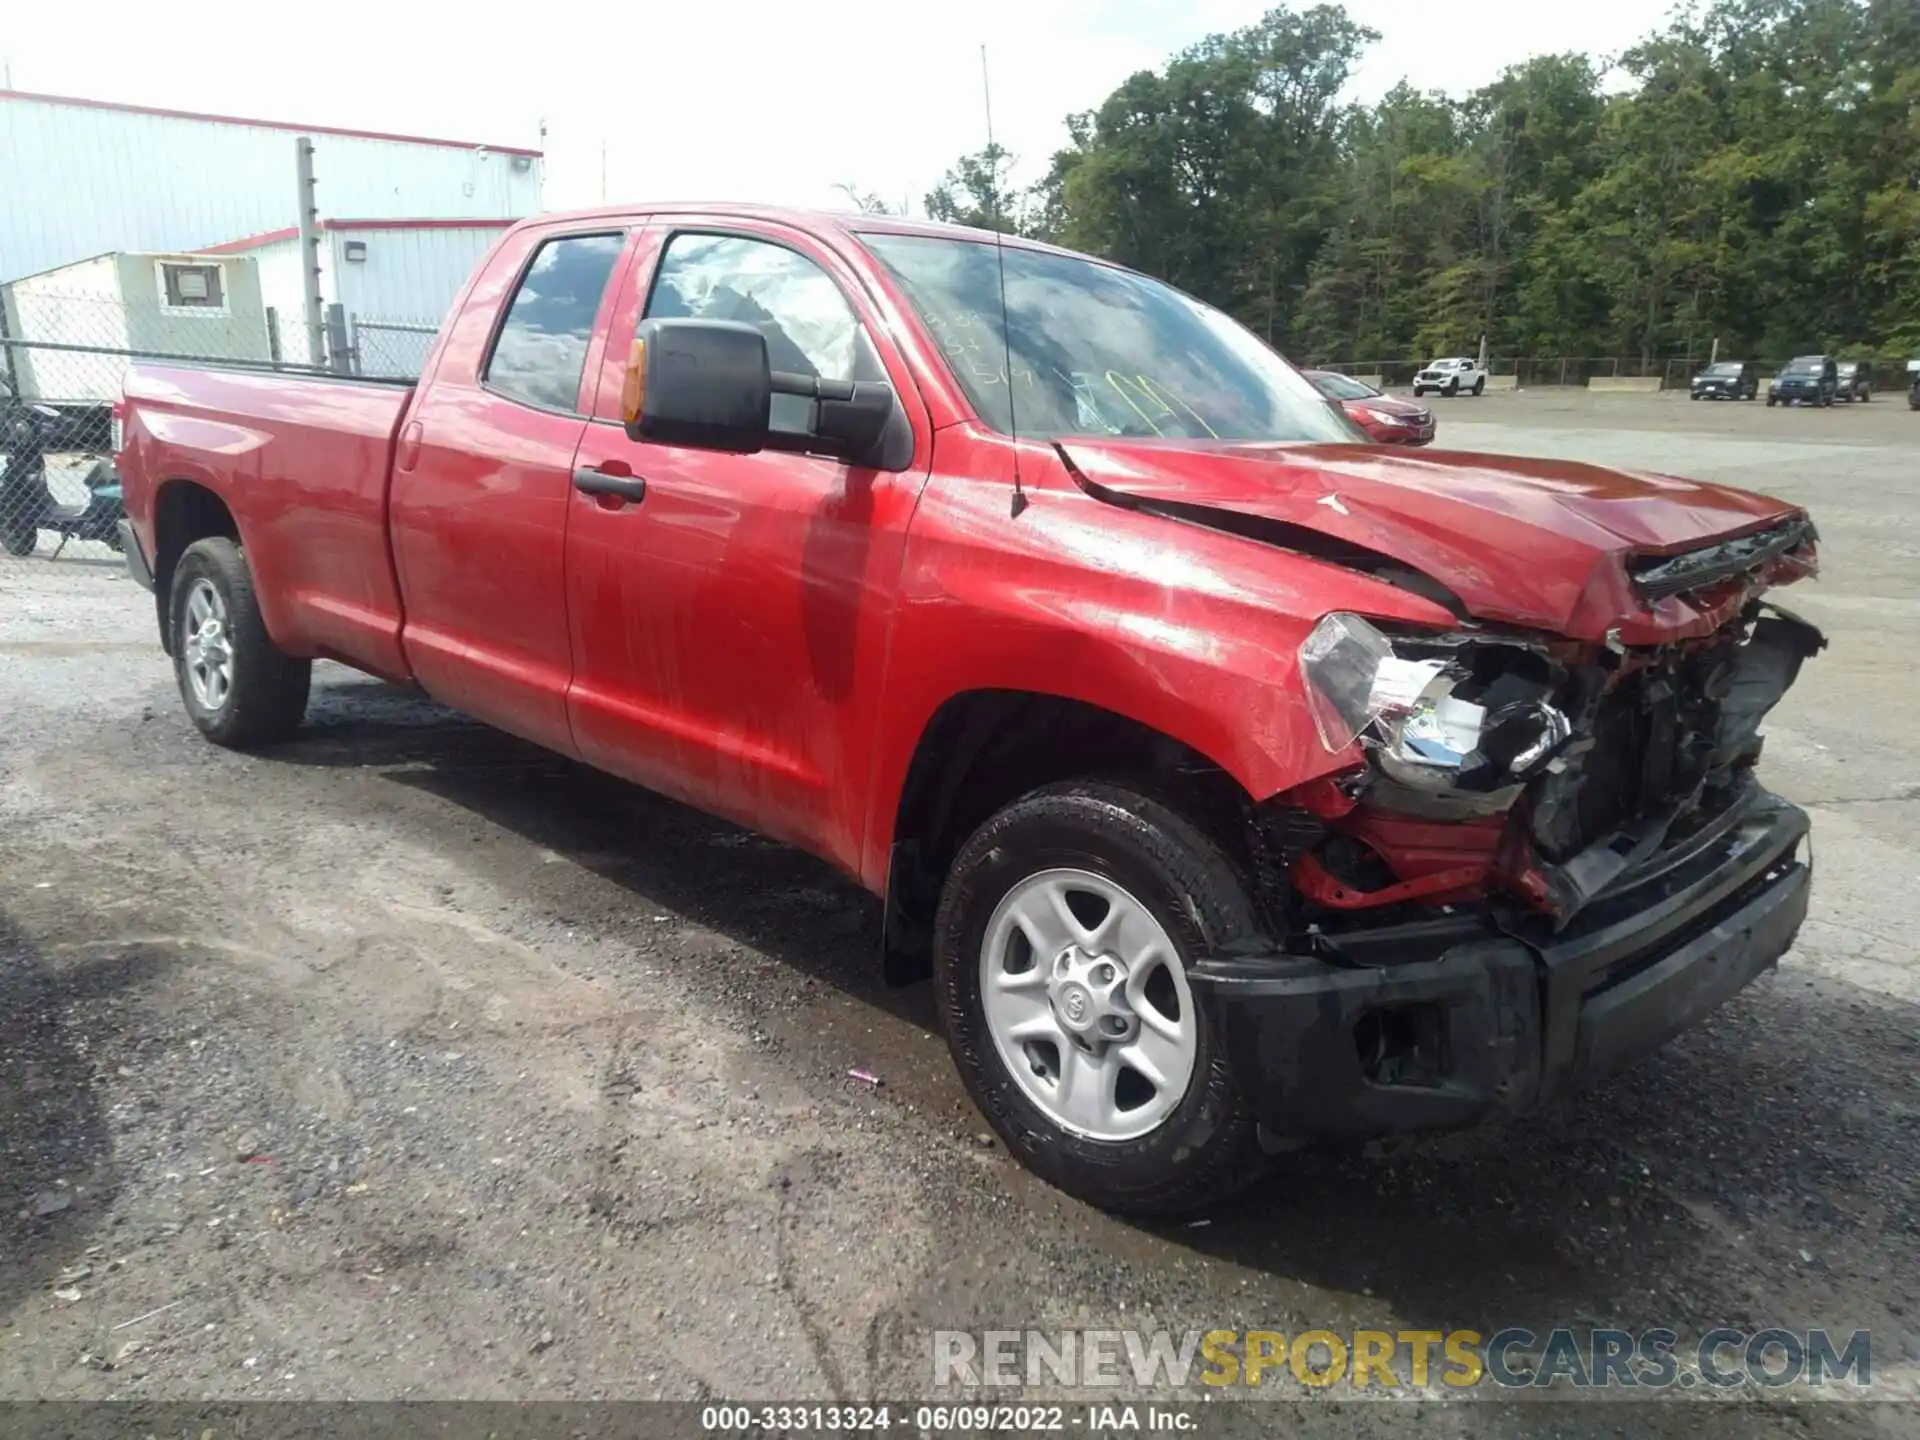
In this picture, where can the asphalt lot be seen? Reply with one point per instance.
(409, 1061)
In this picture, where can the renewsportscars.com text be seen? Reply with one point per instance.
(1512, 1358)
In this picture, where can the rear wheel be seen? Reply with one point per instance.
(239, 687)
(1062, 951)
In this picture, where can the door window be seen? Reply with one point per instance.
(810, 327)
(542, 345)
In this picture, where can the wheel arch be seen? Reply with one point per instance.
(981, 749)
(184, 511)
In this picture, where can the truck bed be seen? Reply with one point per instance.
(303, 462)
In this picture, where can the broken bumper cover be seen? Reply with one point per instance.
(1499, 1022)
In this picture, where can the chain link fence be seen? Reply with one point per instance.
(391, 348)
(64, 358)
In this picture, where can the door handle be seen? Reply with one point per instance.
(594, 481)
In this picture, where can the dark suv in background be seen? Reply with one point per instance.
(1854, 380)
(1808, 379)
(1727, 380)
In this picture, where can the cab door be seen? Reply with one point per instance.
(483, 483)
(730, 613)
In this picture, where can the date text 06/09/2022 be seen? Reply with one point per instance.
(940, 1419)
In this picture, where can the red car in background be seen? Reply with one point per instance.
(1390, 421)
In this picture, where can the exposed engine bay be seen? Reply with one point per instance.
(1525, 768)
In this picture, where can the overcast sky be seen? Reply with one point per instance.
(774, 102)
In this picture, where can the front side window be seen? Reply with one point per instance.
(542, 346)
(1097, 351)
(810, 327)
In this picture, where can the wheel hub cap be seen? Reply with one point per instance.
(1088, 994)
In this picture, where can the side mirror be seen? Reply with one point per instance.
(704, 383)
(708, 384)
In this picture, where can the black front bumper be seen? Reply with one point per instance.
(1504, 1020)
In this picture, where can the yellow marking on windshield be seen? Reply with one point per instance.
(1152, 387)
(1114, 379)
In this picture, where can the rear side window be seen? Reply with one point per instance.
(542, 346)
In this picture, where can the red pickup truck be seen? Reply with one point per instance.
(1239, 782)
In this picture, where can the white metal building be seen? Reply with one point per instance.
(80, 178)
(388, 272)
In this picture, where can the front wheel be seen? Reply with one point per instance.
(1062, 958)
(1453, 389)
(240, 688)
(1480, 385)
(18, 536)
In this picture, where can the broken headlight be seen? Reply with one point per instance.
(1431, 722)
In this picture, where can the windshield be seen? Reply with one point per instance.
(1723, 368)
(1098, 351)
(1804, 367)
(1342, 387)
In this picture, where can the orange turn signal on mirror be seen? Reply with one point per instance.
(633, 389)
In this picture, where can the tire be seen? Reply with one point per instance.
(1480, 385)
(264, 697)
(19, 537)
(1770, 402)
(1204, 1145)
(1452, 390)
(1418, 393)
(1695, 395)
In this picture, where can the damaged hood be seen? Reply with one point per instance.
(1545, 544)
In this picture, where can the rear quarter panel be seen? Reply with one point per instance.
(302, 463)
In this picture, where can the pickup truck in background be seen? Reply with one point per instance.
(1450, 377)
(1238, 781)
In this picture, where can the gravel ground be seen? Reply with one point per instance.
(408, 1061)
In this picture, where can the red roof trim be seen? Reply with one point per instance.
(252, 242)
(263, 124)
(274, 237)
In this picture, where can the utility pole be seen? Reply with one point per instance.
(310, 252)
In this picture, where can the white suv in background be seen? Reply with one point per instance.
(1450, 377)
